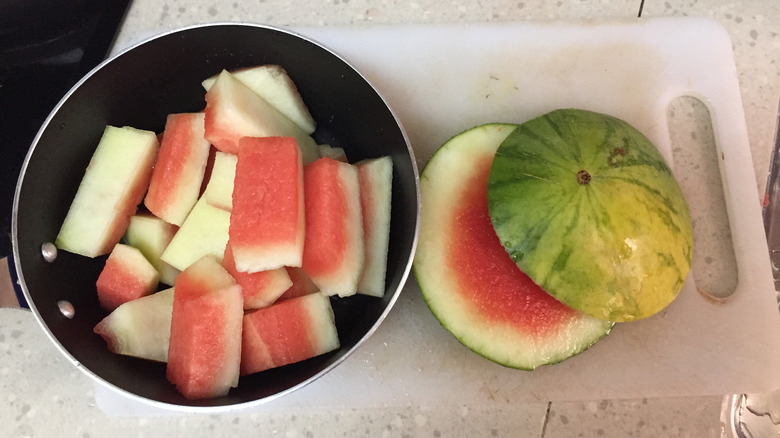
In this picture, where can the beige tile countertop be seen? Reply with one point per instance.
(43, 395)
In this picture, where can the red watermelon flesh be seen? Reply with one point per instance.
(267, 220)
(301, 284)
(376, 184)
(260, 289)
(181, 164)
(127, 275)
(234, 111)
(288, 332)
(333, 250)
(205, 344)
(488, 276)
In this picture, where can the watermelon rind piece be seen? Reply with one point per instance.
(290, 331)
(126, 275)
(234, 111)
(274, 85)
(151, 235)
(113, 185)
(141, 327)
(333, 249)
(204, 232)
(178, 173)
(586, 206)
(375, 176)
(522, 343)
(204, 351)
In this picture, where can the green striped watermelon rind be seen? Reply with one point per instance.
(500, 343)
(617, 246)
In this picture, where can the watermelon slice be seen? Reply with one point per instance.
(219, 190)
(260, 289)
(204, 354)
(233, 111)
(333, 250)
(288, 332)
(301, 284)
(127, 275)
(113, 185)
(267, 220)
(376, 184)
(204, 232)
(274, 85)
(141, 327)
(151, 235)
(178, 173)
(469, 281)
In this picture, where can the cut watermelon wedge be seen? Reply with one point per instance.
(178, 173)
(260, 289)
(127, 275)
(288, 332)
(267, 220)
(272, 83)
(141, 327)
(376, 185)
(205, 345)
(234, 111)
(333, 250)
(469, 281)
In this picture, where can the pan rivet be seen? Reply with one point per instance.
(66, 308)
(49, 252)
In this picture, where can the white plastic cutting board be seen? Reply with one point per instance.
(443, 79)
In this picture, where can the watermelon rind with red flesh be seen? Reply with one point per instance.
(234, 111)
(467, 279)
(178, 173)
(267, 220)
(333, 250)
(290, 331)
(274, 85)
(260, 289)
(376, 186)
(586, 205)
(204, 352)
(126, 275)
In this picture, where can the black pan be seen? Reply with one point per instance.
(139, 87)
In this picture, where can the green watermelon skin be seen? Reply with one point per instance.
(467, 279)
(616, 243)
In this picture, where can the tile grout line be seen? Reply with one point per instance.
(546, 419)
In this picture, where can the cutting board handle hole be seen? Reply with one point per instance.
(696, 167)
